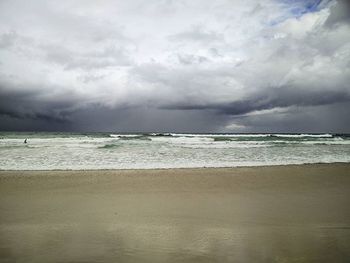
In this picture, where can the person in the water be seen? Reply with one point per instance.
(25, 141)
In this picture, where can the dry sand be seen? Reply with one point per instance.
(262, 214)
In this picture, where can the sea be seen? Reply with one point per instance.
(89, 151)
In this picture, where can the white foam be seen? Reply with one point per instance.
(84, 152)
(303, 135)
(219, 135)
(124, 135)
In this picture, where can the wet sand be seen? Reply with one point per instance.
(296, 213)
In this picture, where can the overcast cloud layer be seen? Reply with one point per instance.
(184, 65)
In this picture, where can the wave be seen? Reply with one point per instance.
(217, 135)
(160, 134)
(141, 137)
(15, 146)
(124, 135)
(109, 146)
(262, 136)
(252, 135)
(220, 139)
(302, 135)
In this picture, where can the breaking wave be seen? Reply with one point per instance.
(109, 146)
(166, 150)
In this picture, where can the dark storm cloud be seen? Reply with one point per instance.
(275, 98)
(174, 65)
(30, 105)
(298, 119)
(24, 101)
(145, 119)
(339, 14)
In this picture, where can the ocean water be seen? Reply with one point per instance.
(80, 151)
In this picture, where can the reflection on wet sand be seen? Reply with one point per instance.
(169, 243)
(271, 214)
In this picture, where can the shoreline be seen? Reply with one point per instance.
(178, 168)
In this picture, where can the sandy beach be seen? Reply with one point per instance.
(294, 213)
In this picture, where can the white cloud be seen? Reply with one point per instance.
(163, 53)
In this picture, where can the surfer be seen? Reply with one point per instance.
(25, 141)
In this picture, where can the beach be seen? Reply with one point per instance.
(288, 213)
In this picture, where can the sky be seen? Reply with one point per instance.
(175, 65)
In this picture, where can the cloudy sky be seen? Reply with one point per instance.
(175, 65)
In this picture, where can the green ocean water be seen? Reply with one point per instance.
(61, 150)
